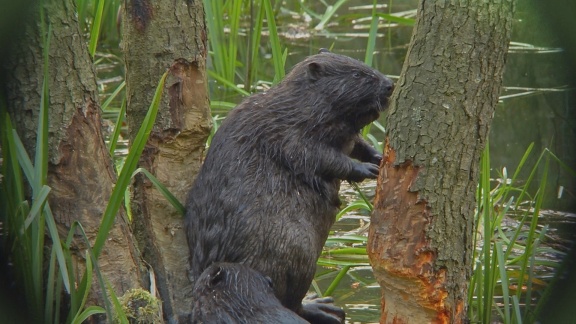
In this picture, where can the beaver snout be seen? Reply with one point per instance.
(387, 87)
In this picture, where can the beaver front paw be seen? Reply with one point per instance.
(364, 170)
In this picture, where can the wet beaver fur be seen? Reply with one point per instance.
(235, 293)
(267, 193)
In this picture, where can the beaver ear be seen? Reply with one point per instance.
(269, 281)
(216, 276)
(315, 71)
(323, 50)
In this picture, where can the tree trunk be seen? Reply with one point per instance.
(420, 240)
(80, 169)
(157, 35)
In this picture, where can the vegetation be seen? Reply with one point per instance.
(28, 221)
(510, 256)
(508, 262)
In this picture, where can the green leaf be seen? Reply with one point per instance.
(330, 12)
(371, 45)
(89, 311)
(118, 309)
(85, 290)
(397, 19)
(117, 128)
(106, 103)
(37, 205)
(277, 56)
(336, 281)
(129, 166)
(95, 31)
(165, 192)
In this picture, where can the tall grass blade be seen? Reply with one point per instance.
(235, 13)
(516, 303)
(57, 246)
(89, 311)
(397, 19)
(336, 281)
(363, 196)
(163, 190)
(532, 231)
(117, 128)
(485, 212)
(79, 297)
(37, 229)
(41, 157)
(113, 95)
(129, 167)
(528, 313)
(277, 56)
(371, 45)
(51, 296)
(57, 299)
(84, 288)
(18, 150)
(504, 280)
(214, 12)
(12, 182)
(37, 205)
(562, 164)
(118, 309)
(227, 83)
(330, 12)
(256, 36)
(523, 161)
(95, 31)
(353, 206)
(22, 156)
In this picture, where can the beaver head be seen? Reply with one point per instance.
(235, 293)
(350, 89)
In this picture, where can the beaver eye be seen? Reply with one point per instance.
(356, 74)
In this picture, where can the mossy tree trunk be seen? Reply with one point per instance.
(420, 241)
(159, 35)
(80, 170)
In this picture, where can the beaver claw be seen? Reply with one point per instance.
(376, 158)
(364, 170)
(321, 310)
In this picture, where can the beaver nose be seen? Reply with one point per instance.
(388, 87)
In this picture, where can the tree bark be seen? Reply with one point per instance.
(158, 35)
(80, 170)
(420, 240)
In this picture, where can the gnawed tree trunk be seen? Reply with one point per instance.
(157, 35)
(420, 241)
(80, 169)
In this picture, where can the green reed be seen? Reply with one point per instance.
(503, 262)
(28, 221)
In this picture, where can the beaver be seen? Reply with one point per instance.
(267, 193)
(236, 293)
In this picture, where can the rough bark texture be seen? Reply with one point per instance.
(80, 169)
(159, 35)
(420, 240)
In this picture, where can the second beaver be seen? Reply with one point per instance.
(235, 293)
(267, 193)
